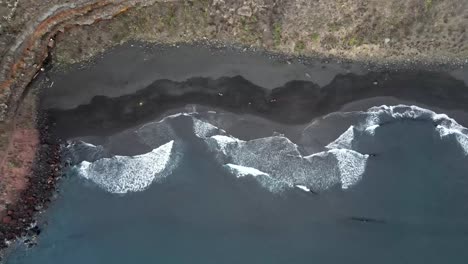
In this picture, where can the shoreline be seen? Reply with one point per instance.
(286, 90)
(19, 217)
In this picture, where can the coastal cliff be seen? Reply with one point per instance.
(36, 35)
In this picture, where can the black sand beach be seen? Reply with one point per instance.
(149, 81)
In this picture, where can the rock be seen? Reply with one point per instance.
(36, 230)
(245, 11)
(218, 2)
(387, 40)
(3, 111)
(7, 219)
(51, 43)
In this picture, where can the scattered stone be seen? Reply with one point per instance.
(245, 11)
(387, 40)
(51, 43)
(38, 207)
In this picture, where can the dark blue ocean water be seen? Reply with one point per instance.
(415, 191)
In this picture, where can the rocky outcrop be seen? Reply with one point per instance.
(24, 57)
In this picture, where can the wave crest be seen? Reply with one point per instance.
(275, 162)
(376, 117)
(122, 174)
(281, 160)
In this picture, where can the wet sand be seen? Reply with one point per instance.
(132, 84)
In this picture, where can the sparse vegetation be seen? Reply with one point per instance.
(14, 163)
(300, 46)
(428, 4)
(322, 27)
(334, 26)
(277, 34)
(170, 19)
(248, 28)
(245, 25)
(315, 37)
(353, 41)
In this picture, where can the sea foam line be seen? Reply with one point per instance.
(379, 115)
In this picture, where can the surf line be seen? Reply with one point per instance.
(305, 188)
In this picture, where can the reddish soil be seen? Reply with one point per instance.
(29, 169)
(17, 158)
(16, 166)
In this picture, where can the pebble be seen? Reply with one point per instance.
(51, 43)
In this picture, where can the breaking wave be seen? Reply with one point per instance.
(122, 174)
(377, 117)
(82, 151)
(275, 162)
(280, 159)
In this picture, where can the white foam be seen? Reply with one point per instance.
(80, 150)
(265, 180)
(154, 134)
(242, 171)
(275, 162)
(445, 125)
(222, 144)
(302, 187)
(281, 160)
(351, 165)
(122, 174)
(371, 129)
(344, 141)
(375, 117)
(204, 129)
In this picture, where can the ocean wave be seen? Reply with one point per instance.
(280, 159)
(154, 134)
(122, 174)
(377, 117)
(204, 129)
(242, 171)
(262, 178)
(78, 151)
(275, 162)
